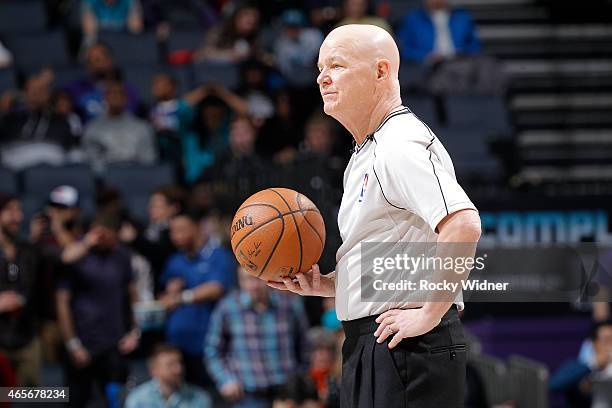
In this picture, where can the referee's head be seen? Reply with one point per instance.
(358, 67)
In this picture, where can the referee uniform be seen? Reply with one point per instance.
(398, 185)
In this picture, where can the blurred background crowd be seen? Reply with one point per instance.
(131, 131)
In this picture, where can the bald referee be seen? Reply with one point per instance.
(399, 186)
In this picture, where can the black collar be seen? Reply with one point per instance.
(357, 147)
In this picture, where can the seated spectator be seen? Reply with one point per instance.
(243, 354)
(173, 117)
(238, 171)
(94, 311)
(255, 92)
(118, 136)
(36, 134)
(19, 296)
(194, 279)
(362, 12)
(324, 14)
(280, 135)
(297, 48)
(154, 241)
(6, 58)
(437, 32)
(212, 123)
(88, 93)
(110, 15)
(234, 40)
(62, 105)
(575, 377)
(166, 387)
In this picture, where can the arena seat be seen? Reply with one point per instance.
(411, 76)
(138, 207)
(130, 49)
(8, 181)
(529, 381)
(39, 181)
(35, 50)
(225, 74)
(423, 107)
(185, 40)
(481, 112)
(19, 16)
(400, 8)
(133, 181)
(68, 74)
(469, 150)
(494, 375)
(7, 79)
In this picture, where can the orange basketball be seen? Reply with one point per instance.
(277, 232)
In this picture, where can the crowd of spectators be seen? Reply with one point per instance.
(92, 292)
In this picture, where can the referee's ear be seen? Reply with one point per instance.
(383, 69)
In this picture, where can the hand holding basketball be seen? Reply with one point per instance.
(310, 283)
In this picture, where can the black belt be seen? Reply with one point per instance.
(368, 325)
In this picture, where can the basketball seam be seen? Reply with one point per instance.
(297, 227)
(282, 218)
(297, 201)
(280, 236)
(281, 215)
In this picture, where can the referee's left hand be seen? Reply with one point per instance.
(403, 323)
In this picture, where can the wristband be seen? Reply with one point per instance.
(73, 344)
(187, 297)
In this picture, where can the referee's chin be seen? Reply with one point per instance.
(329, 108)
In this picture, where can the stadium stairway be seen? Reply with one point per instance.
(560, 97)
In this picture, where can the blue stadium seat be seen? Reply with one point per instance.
(141, 77)
(138, 207)
(225, 74)
(482, 113)
(411, 76)
(39, 181)
(130, 49)
(134, 181)
(65, 75)
(8, 181)
(20, 16)
(469, 150)
(423, 107)
(36, 50)
(185, 40)
(7, 79)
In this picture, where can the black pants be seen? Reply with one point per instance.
(427, 371)
(105, 368)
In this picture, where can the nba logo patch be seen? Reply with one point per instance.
(363, 187)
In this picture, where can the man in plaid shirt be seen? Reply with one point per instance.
(256, 340)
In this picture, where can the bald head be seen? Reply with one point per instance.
(370, 42)
(359, 67)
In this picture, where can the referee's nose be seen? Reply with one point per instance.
(323, 79)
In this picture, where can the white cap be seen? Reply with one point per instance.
(66, 196)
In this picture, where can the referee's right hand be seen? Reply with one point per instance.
(310, 283)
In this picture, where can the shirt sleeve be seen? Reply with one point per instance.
(416, 174)
(170, 271)
(215, 347)
(224, 270)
